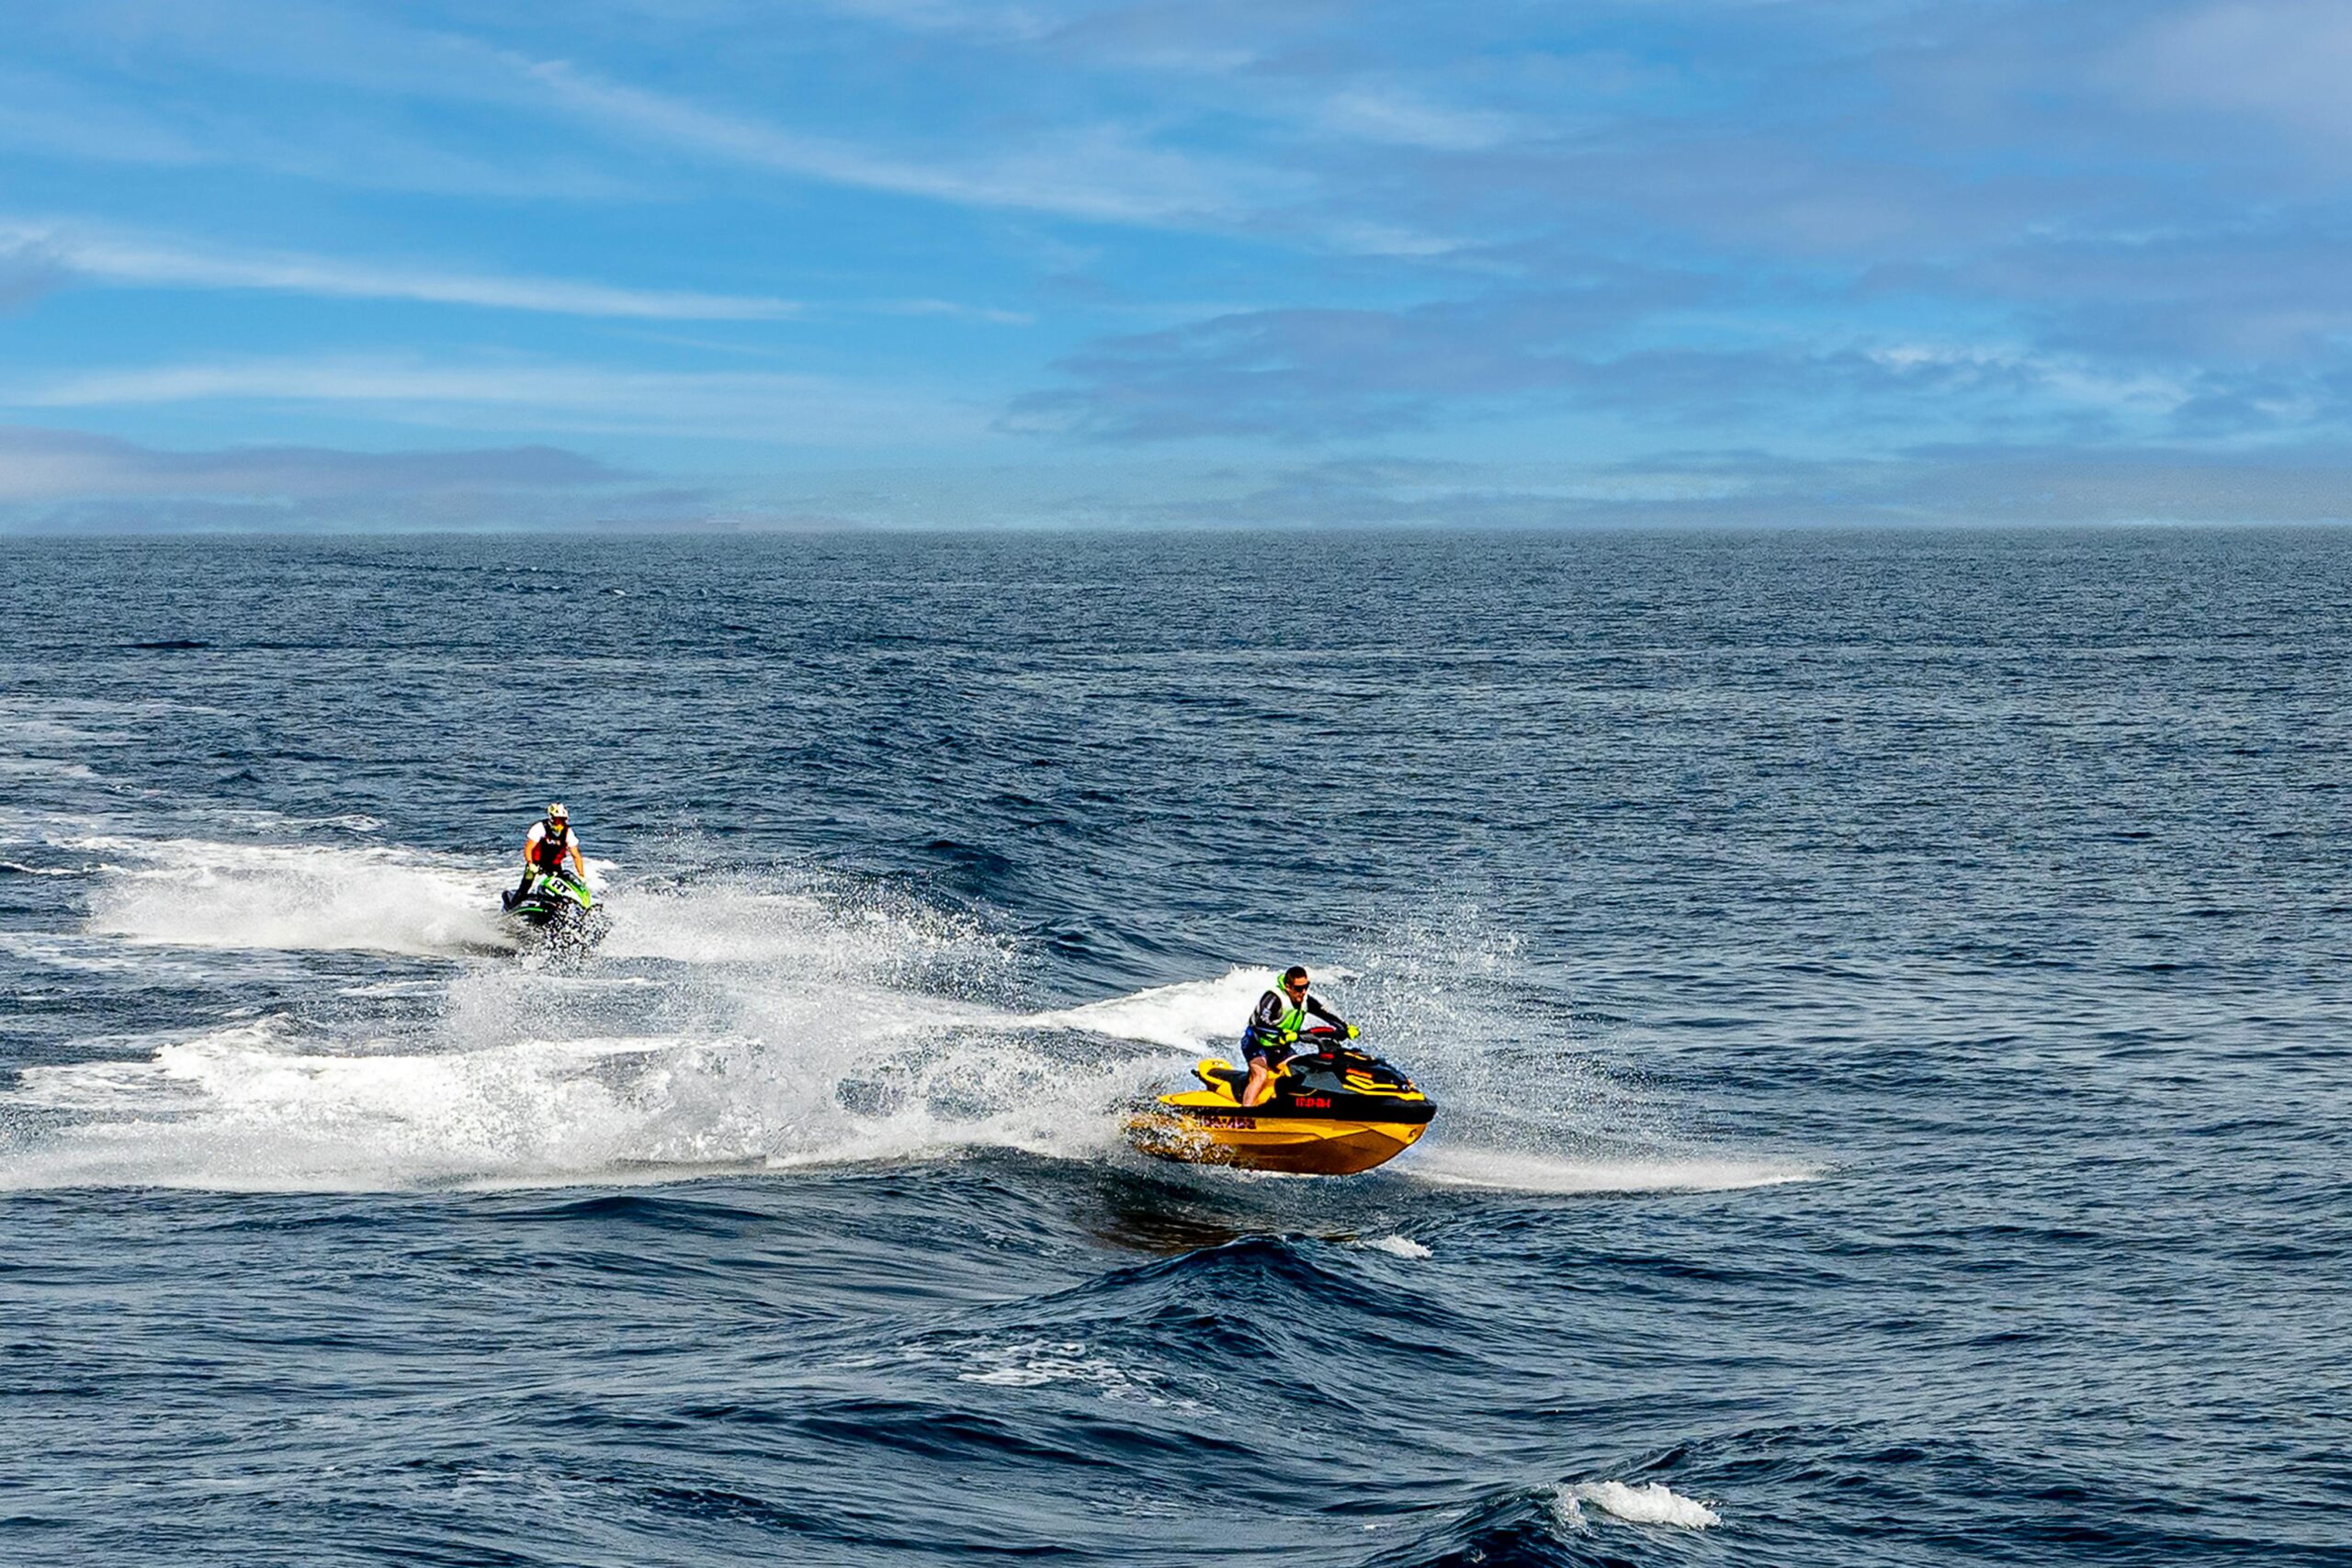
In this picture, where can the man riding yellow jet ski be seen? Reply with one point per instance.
(1333, 1112)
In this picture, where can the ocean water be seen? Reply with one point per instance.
(1886, 994)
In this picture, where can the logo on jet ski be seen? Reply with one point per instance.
(1303, 1134)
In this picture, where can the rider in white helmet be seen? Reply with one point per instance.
(549, 841)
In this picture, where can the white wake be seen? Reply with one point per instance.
(729, 1023)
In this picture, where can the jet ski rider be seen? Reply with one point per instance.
(548, 843)
(1274, 1028)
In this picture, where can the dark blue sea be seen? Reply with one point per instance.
(1889, 998)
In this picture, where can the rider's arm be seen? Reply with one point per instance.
(1268, 1019)
(531, 841)
(1315, 1005)
(578, 863)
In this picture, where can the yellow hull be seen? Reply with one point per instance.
(1311, 1137)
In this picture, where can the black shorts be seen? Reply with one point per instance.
(1273, 1052)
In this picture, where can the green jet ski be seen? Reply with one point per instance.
(557, 907)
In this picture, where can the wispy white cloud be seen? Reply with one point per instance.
(55, 481)
(954, 311)
(39, 464)
(1399, 117)
(1006, 22)
(1188, 35)
(774, 408)
(1100, 173)
(1307, 375)
(370, 50)
(1104, 173)
(1888, 223)
(29, 269)
(1091, 168)
(140, 261)
(338, 140)
(59, 118)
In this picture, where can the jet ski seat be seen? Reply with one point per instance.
(1225, 1075)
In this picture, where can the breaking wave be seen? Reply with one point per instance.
(1654, 1504)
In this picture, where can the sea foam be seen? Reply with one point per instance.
(1459, 1165)
(1654, 1504)
(730, 1022)
(356, 897)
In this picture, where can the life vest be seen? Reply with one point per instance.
(548, 850)
(1292, 1020)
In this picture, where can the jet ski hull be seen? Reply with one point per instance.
(1200, 1136)
(1317, 1124)
(558, 908)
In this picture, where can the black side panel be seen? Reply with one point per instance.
(1328, 1107)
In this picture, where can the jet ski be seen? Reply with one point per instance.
(557, 907)
(1331, 1115)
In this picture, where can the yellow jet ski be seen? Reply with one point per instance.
(1332, 1114)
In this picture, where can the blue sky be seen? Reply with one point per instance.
(720, 262)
